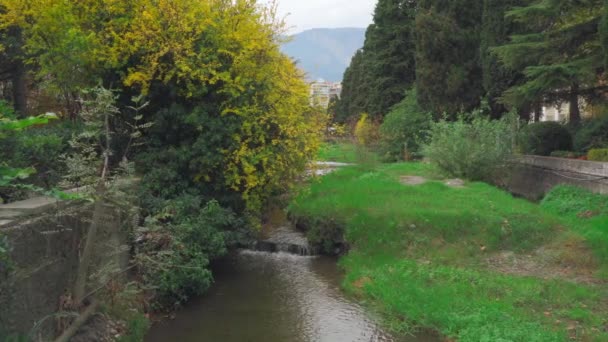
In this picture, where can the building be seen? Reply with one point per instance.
(561, 112)
(321, 92)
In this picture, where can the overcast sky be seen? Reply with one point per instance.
(306, 14)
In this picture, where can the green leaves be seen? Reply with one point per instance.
(8, 175)
(17, 125)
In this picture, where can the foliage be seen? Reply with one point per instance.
(137, 327)
(341, 152)
(598, 154)
(474, 148)
(448, 70)
(178, 244)
(495, 30)
(40, 149)
(418, 253)
(559, 52)
(217, 63)
(366, 131)
(385, 67)
(592, 133)
(403, 129)
(584, 211)
(542, 138)
(353, 99)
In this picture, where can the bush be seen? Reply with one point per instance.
(403, 128)
(366, 131)
(179, 242)
(542, 138)
(598, 154)
(592, 134)
(474, 148)
(41, 148)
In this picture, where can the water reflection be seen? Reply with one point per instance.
(261, 297)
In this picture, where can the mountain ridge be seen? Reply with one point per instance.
(324, 52)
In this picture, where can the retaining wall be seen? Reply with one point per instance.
(45, 237)
(533, 176)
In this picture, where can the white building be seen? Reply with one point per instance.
(561, 112)
(321, 92)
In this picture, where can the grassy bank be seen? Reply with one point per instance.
(339, 151)
(471, 262)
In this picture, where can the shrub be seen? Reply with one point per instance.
(598, 154)
(366, 131)
(470, 148)
(42, 149)
(403, 128)
(542, 138)
(179, 242)
(592, 134)
(137, 327)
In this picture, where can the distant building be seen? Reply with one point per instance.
(561, 112)
(321, 92)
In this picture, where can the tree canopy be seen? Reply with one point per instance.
(222, 95)
(385, 66)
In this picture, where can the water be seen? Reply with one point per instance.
(261, 296)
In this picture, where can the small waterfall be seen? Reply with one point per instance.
(285, 239)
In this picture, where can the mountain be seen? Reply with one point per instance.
(325, 53)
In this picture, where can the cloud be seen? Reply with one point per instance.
(306, 14)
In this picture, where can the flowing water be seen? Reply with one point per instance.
(278, 294)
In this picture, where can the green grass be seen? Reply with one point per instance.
(586, 213)
(417, 253)
(342, 152)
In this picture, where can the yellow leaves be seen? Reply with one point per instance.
(219, 49)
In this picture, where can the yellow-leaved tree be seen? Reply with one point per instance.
(231, 112)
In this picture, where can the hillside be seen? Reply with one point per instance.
(325, 53)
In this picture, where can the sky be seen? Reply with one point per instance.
(306, 14)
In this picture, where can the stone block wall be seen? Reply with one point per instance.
(533, 176)
(45, 239)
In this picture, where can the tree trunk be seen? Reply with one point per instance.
(538, 112)
(19, 74)
(575, 112)
(79, 322)
(19, 81)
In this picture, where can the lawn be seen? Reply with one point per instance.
(424, 256)
(342, 152)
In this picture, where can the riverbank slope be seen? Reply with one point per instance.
(466, 259)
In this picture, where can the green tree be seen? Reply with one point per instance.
(390, 44)
(560, 53)
(448, 68)
(354, 88)
(496, 30)
(384, 68)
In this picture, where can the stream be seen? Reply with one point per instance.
(276, 293)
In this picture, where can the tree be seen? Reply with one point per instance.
(496, 30)
(448, 68)
(354, 87)
(240, 106)
(384, 68)
(560, 53)
(391, 54)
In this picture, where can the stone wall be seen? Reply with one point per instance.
(45, 237)
(533, 176)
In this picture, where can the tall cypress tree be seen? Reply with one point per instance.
(391, 54)
(561, 53)
(496, 30)
(352, 100)
(380, 73)
(448, 68)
